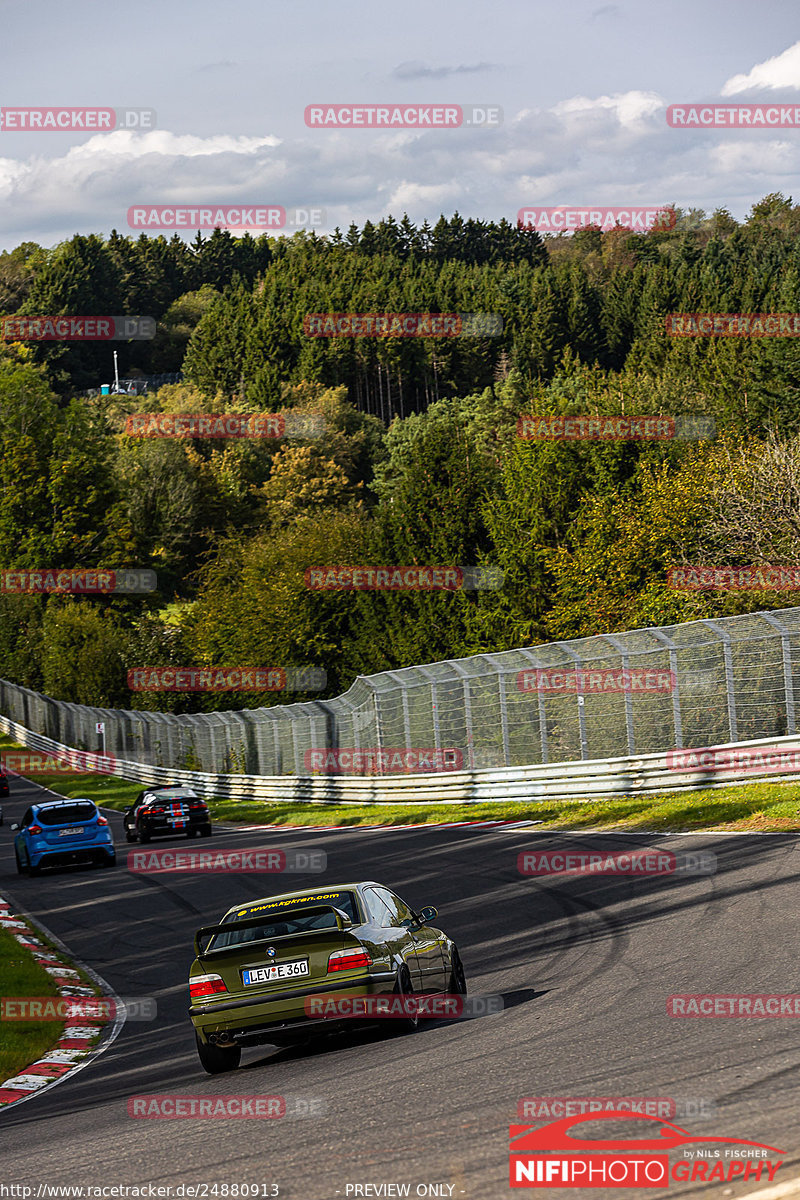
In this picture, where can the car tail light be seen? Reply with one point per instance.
(102, 821)
(155, 812)
(34, 829)
(348, 960)
(205, 985)
(198, 804)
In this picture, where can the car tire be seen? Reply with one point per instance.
(458, 980)
(108, 862)
(191, 833)
(130, 835)
(20, 868)
(205, 831)
(404, 987)
(33, 870)
(216, 1059)
(144, 834)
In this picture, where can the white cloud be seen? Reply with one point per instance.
(782, 71)
(161, 141)
(628, 107)
(608, 149)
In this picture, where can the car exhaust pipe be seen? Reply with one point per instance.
(221, 1039)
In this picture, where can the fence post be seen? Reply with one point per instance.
(788, 684)
(542, 711)
(626, 667)
(404, 701)
(465, 680)
(437, 740)
(503, 701)
(677, 722)
(729, 688)
(581, 698)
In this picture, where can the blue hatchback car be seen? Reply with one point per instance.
(60, 832)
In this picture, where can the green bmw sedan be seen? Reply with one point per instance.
(278, 970)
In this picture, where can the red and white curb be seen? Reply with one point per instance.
(72, 1051)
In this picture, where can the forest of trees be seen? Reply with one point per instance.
(419, 463)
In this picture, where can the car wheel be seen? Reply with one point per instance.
(458, 980)
(20, 868)
(191, 833)
(108, 861)
(144, 834)
(404, 987)
(130, 835)
(205, 831)
(216, 1059)
(32, 870)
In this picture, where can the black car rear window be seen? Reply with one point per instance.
(66, 814)
(283, 923)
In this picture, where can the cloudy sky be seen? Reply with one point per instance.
(583, 86)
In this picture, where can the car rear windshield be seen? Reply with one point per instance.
(66, 814)
(282, 922)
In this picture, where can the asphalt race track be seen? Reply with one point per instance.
(585, 965)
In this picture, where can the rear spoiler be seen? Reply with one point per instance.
(208, 931)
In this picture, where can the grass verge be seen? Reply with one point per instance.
(23, 1041)
(759, 807)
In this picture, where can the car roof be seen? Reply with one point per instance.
(62, 803)
(177, 790)
(309, 892)
(168, 787)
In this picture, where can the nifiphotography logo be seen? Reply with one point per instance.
(552, 1156)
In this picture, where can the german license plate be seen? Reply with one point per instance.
(67, 832)
(287, 970)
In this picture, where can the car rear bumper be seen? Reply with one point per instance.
(158, 826)
(78, 854)
(261, 1019)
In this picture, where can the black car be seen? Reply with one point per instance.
(170, 808)
(3, 785)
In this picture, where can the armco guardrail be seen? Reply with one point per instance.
(776, 759)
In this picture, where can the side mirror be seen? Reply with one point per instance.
(15, 826)
(427, 914)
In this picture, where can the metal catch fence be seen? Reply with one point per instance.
(700, 683)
